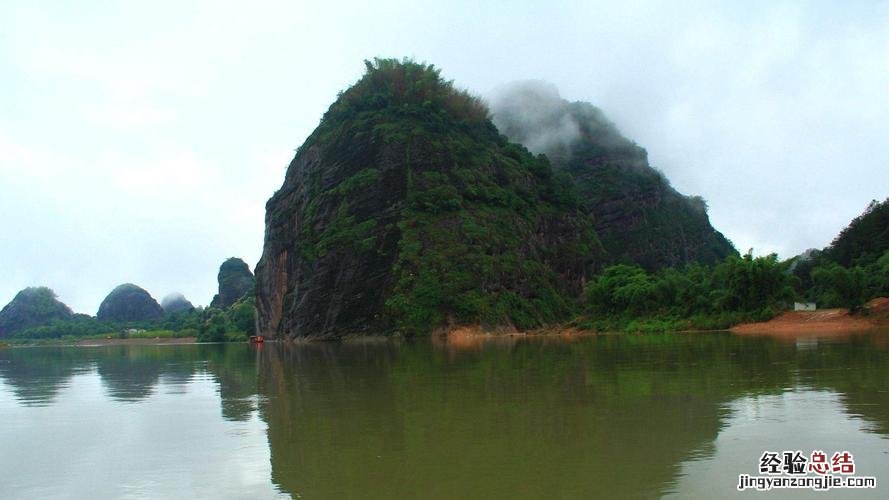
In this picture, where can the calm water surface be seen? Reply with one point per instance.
(613, 417)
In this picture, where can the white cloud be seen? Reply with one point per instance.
(180, 173)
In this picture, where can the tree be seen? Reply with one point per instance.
(623, 288)
(836, 285)
(755, 283)
(213, 329)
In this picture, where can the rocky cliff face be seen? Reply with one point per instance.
(31, 307)
(127, 303)
(406, 210)
(639, 217)
(235, 281)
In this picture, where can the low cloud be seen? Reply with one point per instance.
(533, 113)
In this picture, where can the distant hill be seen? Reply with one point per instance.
(129, 302)
(34, 306)
(638, 216)
(235, 281)
(176, 303)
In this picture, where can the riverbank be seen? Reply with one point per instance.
(824, 322)
(105, 341)
(135, 341)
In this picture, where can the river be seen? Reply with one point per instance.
(624, 416)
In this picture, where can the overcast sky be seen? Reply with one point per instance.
(139, 140)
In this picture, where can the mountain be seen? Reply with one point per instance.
(235, 281)
(407, 210)
(175, 303)
(129, 302)
(865, 239)
(33, 306)
(854, 267)
(638, 216)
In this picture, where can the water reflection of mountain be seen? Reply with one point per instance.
(609, 415)
(534, 420)
(529, 418)
(37, 375)
(132, 373)
(857, 369)
(234, 368)
(129, 374)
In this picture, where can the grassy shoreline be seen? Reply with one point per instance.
(875, 317)
(109, 338)
(97, 340)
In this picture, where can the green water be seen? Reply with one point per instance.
(610, 417)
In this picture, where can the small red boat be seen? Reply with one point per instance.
(257, 339)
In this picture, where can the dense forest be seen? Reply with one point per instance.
(853, 269)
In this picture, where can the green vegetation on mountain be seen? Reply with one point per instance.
(131, 312)
(406, 210)
(864, 240)
(129, 302)
(235, 323)
(31, 307)
(854, 268)
(232, 313)
(739, 289)
(745, 289)
(638, 216)
(235, 281)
